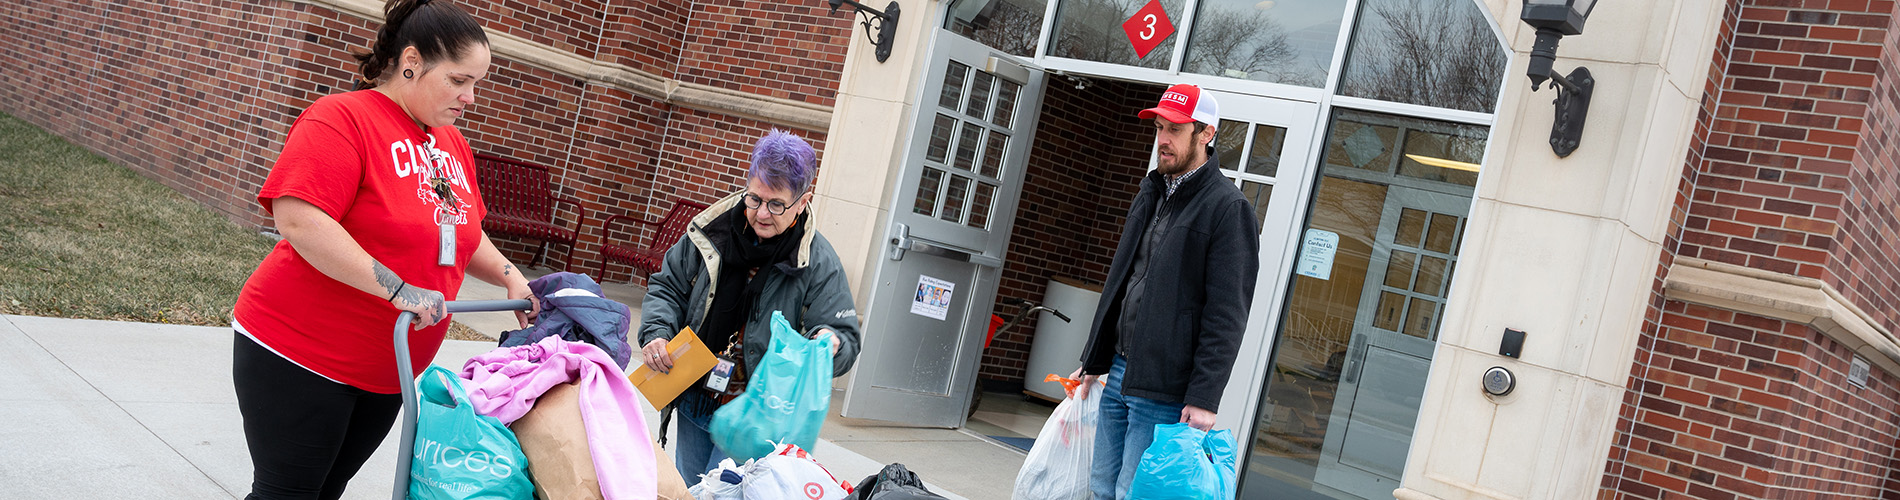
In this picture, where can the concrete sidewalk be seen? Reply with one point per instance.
(103, 409)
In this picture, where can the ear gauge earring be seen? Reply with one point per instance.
(408, 73)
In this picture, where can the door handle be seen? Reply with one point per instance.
(902, 242)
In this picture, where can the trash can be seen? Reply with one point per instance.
(1057, 347)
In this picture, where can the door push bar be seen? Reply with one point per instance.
(902, 241)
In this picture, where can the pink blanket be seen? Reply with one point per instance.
(505, 382)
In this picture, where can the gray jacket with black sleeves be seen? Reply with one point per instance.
(816, 297)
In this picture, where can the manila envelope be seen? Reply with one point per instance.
(691, 360)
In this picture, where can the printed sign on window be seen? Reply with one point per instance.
(933, 298)
(1316, 254)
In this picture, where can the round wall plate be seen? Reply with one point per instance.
(1499, 381)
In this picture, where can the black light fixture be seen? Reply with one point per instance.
(886, 24)
(1554, 19)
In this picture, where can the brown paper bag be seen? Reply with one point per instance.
(672, 486)
(554, 439)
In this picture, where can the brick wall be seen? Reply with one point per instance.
(1864, 268)
(1784, 136)
(199, 94)
(1741, 406)
(1783, 174)
(1086, 165)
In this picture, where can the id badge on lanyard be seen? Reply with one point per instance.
(448, 208)
(446, 233)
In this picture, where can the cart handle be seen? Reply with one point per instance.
(410, 408)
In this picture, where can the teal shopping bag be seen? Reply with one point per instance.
(460, 455)
(785, 400)
(1185, 463)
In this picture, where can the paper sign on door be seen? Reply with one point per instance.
(933, 297)
(1316, 254)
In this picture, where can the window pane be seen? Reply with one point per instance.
(1005, 102)
(1398, 272)
(1421, 318)
(980, 95)
(1091, 30)
(1431, 276)
(954, 197)
(1386, 317)
(1279, 41)
(966, 146)
(980, 206)
(1011, 26)
(927, 188)
(994, 151)
(1230, 141)
(1439, 53)
(1264, 158)
(953, 80)
(940, 138)
(1442, 156)
(1361, 145)
(1439, 237)
(1411, 227)
(1260, 195)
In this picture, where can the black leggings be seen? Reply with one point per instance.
(307, 434)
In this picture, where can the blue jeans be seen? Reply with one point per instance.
(1125, 429)
(694, 452)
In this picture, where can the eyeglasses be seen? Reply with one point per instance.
(753, 201)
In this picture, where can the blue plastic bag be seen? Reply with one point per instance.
(785, 401)
(1186, 463)
(459, 454)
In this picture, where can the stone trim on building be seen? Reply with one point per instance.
(787, 112)
(1784, 297)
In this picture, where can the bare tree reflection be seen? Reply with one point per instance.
(1239, 44)
(1009, 26)
(1431, 52)
(1091, 30)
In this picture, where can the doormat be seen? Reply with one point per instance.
(1016, 442)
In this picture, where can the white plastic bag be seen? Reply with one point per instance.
(789, 473)
(1057, 467)
(720, 484)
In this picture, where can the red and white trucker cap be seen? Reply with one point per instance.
(1184, 103)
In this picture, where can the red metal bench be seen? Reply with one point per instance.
(666, 231)
(520, 197)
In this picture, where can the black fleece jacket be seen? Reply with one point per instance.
(1198, 289)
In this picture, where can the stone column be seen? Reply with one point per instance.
(1567, 250)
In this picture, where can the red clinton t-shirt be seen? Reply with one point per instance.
(360, 158)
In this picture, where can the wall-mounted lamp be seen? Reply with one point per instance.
(1554, 19)
(886, 24)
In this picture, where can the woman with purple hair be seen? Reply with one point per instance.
(748, 255)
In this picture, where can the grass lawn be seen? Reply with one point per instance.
(81, 237)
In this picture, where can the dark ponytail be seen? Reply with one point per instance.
(437, 28)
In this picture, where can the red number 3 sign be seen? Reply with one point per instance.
(1148, 28)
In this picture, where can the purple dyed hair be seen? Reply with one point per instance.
(783, 161)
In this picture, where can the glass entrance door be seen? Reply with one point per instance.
(1346, 373)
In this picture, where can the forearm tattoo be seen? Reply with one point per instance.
(385, 277)
(429, 302)
(507, 269)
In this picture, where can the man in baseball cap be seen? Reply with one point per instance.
(1172, 313)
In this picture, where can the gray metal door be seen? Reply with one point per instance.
(1383, 379)
(949, 227)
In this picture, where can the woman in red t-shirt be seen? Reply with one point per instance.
(375, 195)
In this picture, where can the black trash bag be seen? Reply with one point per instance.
(893, 483)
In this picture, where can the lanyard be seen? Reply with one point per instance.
(448, 207)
